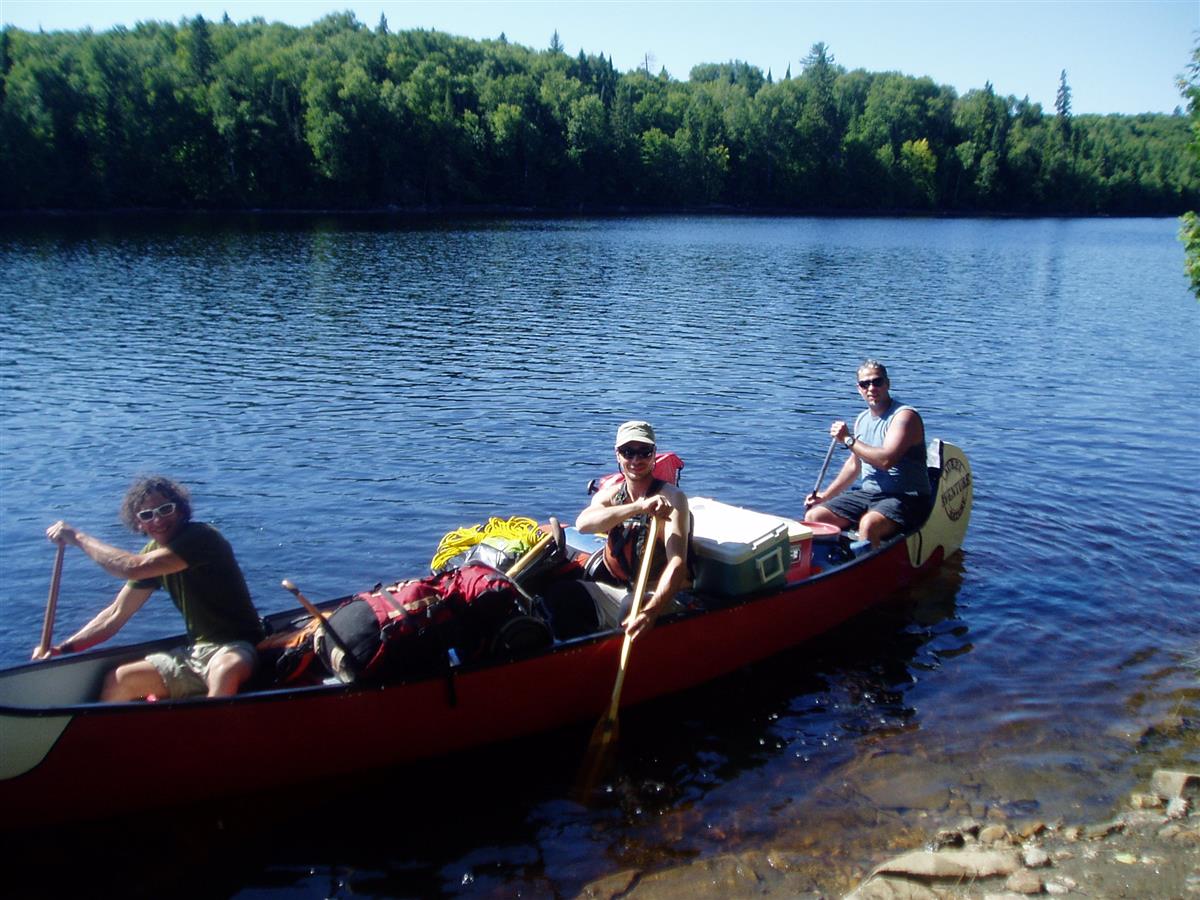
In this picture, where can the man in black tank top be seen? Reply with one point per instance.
(622, 510)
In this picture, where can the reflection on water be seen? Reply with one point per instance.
(340, 393)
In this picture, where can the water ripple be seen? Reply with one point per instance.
(341, 393)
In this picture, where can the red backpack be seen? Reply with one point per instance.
(420, 627)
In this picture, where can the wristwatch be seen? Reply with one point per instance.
(848, 440)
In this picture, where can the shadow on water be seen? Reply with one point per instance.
(693, 775)
(848, 683)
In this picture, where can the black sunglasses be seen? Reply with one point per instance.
(633, 453)
(872, 382)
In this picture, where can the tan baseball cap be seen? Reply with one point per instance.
(640, 432)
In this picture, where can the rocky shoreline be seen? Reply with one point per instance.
(1150, 850)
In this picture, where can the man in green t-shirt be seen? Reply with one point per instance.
(197, 567)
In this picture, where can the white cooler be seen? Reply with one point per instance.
(738, 551)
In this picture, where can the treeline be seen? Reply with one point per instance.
(341, 115)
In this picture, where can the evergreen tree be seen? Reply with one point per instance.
(819, 129)
(1062, 105)
(200, 48)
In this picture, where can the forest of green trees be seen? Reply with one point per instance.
(217, 115)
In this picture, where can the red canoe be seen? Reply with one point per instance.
(63, 756)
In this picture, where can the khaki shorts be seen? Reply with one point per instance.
(184, 670)
(613, 603)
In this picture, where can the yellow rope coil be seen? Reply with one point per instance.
(517, 531)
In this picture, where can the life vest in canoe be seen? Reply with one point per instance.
(287, 657)
(626, 543)
(422, 627)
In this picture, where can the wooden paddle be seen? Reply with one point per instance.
(604, 736)
(351, 659)
(52, 601)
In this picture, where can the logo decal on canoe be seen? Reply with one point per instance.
(956, 488)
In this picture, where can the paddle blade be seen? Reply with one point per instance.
(598, 759)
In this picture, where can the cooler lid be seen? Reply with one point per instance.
(731, 531)
(797, 530)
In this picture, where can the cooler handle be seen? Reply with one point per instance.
(765, 562)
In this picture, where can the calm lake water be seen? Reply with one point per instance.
(339, 393)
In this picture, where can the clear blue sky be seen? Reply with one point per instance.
(1120, 56)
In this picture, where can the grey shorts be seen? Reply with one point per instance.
(907, 512)
(184, 669)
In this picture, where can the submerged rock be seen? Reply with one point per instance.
(953, 864)
(1023, 881)
(1146, 801)
(993, 834)
(1170, 784)
(886, 888)
(1035, 858)
(751, 874)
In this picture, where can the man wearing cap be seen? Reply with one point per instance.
(622, 510)
(887, 448)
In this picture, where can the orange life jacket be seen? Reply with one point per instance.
(626, 543)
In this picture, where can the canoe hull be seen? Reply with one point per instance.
(109, 759)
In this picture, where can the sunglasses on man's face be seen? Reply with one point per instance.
(159, 512)
(635, 452)
(877, 381)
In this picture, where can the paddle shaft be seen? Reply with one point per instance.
(825, 465)
(638, 592)
(52, 600)
(533, 554)
(604, 735)
(351, 659)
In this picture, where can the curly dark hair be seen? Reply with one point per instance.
(154, 484)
